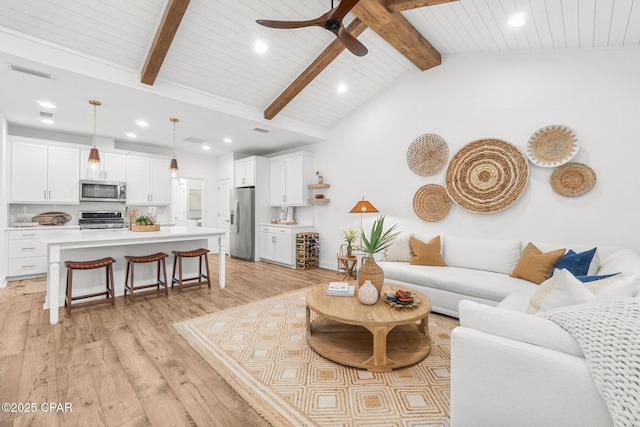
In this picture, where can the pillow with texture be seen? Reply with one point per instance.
(399, 250)
(426, 253)
(564, 289)
(561, 290)
(577, 263)
(534, 265)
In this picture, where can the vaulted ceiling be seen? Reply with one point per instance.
(219, 86)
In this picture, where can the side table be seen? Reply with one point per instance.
(348, 263)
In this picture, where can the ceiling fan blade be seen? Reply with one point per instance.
(291, 24)
(353, 44)
(341, 10)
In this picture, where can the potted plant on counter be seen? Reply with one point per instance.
(349, 236)
(377, 241)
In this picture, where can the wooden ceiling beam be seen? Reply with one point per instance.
(356, 27)
(398, 32)
(400, 5)
(164, 36)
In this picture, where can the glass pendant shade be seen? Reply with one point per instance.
(94, 171)
(173, 166)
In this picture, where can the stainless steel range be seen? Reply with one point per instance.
(101, 219)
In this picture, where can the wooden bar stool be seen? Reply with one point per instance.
(88, 265)
(132, 260)
(177, 262)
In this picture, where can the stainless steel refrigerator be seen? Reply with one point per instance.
(242, 243)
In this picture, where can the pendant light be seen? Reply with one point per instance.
(173, 167)
(93, 169)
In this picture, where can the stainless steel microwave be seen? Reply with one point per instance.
(103, 191)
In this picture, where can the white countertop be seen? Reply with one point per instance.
(44, 227)
(107, 237)
(272, 224)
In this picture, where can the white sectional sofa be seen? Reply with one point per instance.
(477, 270)
(510, 368)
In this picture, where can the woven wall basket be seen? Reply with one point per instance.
(552, 146)
(487, 176)
(427, 154)
(431, 202)
(573, 179)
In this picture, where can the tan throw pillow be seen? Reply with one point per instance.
(534, 265)
(426, 253)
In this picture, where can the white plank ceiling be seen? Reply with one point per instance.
(212, 58)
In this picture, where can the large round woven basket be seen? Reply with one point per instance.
(431, 202)
(552, 146)
(573, 179)
(427, 154)
(487, 176)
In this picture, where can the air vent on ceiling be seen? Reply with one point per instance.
(46, 115)
(30, 71)
(260, 130)
(195, 140)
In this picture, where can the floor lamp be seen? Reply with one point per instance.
(363, 206)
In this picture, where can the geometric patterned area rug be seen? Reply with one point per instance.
(261, 351)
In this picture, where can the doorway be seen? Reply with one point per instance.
(187, 204)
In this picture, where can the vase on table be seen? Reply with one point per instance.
(367, 293)
(370, 270)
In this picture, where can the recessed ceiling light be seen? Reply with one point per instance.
(47, 121)
(142, 123)
(46, 104)
(131, 135)
(206, 147)
(260, 46)
(227, 140)
(342, 88)
(517, 20)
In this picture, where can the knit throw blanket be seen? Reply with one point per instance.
(608, 332)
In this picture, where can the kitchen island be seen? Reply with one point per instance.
(85, 245)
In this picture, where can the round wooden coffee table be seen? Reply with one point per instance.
(376, 337)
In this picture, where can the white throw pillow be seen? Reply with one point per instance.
(594, 265)
(625, 261)
(499, 256)
(622, 288)
(399, 250)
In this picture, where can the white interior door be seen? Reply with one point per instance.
(224, 203)
(179, 202)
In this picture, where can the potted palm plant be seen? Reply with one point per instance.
(377, 241)
(349, 236)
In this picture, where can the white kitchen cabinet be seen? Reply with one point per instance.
(43, 173)
(27, 256)
(289, 179)
(278, 245)
(148, 181)
(113, 166)
(244, 172)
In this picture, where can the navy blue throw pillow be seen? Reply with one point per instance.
(576, 264)
(585, 279)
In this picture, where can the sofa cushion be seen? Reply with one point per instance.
(625, 261)
(517, 326)
(399, 249)
(474, 283)
(577, 263)
(426, 253)
(499, 256)
(534, 265)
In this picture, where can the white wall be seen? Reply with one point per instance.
(505, 96)
(3, 199)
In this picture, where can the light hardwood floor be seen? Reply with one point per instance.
(128, 366)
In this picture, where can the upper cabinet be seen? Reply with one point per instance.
(148, 181)
(42, 173)
(244, 172)
(113, 167)
(289, 177)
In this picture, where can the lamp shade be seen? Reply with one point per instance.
(363, 206)
(94, 156)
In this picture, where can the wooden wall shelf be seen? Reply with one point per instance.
(319, 185)
(314, 201)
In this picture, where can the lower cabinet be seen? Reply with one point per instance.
(27, 255)
(278, 244)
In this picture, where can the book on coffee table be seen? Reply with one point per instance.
(340, 289)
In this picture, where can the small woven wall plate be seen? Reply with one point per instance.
(487, 175)
(573, 179)
(431, 202)
(427, 154)
(552, 146)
